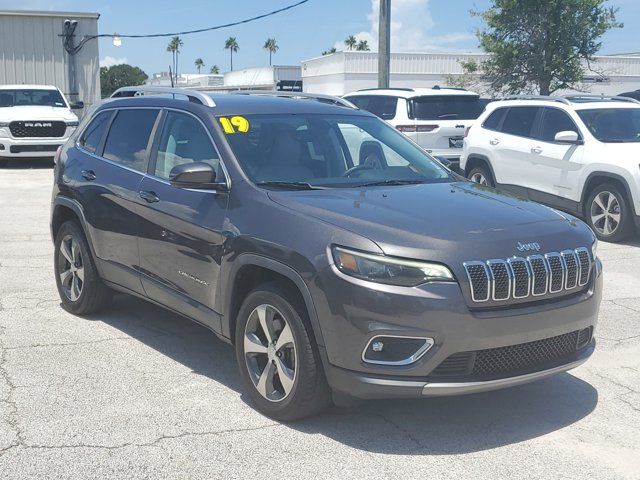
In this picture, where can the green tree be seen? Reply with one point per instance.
(350, 42)
(330, 51)
(214, 70)
(199, 63)
(232, 45)
(363, 46)
(174, 48)
(112, 78)
(542, 45)
(271, 46)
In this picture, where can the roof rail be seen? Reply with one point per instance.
(401, 89)
(192, 95)
(299, 95)
(538, 97)
(438, 87)
(601, 97)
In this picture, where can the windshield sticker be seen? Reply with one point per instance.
(236, 124)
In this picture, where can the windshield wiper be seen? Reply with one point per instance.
(290, 185)
(390, 182)
(449, 115)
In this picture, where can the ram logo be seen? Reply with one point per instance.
(38, 124)
(528, 247)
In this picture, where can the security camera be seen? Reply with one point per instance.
(67, 23)
(74, 23)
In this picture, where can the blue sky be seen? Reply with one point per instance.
(302, 33)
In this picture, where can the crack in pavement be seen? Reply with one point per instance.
(12, 418)
(88, 342)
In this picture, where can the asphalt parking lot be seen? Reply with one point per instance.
(141, 393)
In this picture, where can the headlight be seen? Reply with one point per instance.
(389, 270)
(594, 248)
(4, 124)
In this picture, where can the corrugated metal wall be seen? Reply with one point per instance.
(31, 51)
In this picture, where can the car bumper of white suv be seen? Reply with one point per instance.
(29, 147)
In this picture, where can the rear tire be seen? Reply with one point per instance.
(608, 213)
(79, 285)
(281, 370)
(481, 175)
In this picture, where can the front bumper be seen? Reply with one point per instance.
(31, 147)
(439, 311)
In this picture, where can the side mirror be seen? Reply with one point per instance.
(568, 137)
(79, 105)
(193, 175)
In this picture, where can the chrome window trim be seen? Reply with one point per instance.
(417, 355)
(529, 275)
(487, 274)
(498, 261)
(564, 272)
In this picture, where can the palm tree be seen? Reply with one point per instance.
(330, 51)
(363, 46)
(214, 70)
(271, 46)
(350, 42)
(174, 48)
(199, 63)
(232, 45)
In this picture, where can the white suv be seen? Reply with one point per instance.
(435, 118)
(580, 154)
(34, 121)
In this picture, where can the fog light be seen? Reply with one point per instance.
(395, 350)
(1, 146)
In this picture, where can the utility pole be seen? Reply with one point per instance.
(384, 43)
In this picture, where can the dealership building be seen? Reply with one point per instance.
(32, 52)
(344, 72)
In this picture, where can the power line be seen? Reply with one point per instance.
(73, 50)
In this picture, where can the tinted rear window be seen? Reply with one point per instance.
(128, 137)
(381, 106)
(93, 134)
(519, 121)
(446, 107)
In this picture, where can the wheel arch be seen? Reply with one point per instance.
(65, 209)
(597, 178)
(249, 271)
(476, 159)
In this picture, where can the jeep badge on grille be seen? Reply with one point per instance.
(528, 247)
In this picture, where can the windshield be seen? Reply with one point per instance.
(316, 151)
(31, 97)
(613, 125)
(442, 107)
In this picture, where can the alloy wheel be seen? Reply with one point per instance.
(71, 268)
(270, 353)
(605, 213)
(479, 178)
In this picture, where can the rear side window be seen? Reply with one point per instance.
(381, 106)
(446, 107)
(493, 121)
(555, 121)
(92, 135)
(520, 120)
(128, 138)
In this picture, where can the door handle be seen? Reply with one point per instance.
(536, 150)
(495, 141)
(149, 197)
(88, 175)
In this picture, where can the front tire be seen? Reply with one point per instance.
(79, 285)
(278, 361)
(481, 175)
(608, 213)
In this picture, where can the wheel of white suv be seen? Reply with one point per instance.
(79, 286)
(279, 364)
(481, 175)
(608, 214)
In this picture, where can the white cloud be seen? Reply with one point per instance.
(111, 61)
(410, 23)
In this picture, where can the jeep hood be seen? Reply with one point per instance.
(440, 221)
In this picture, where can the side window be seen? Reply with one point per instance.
(92, 135)
(555, 121)
(184, 140)
(128, 137)
(519, 121)
(493, 121)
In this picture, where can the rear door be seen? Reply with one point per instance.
(441, 120)
(108, 177)
(181, 242)
(512, 150)
(555, 167)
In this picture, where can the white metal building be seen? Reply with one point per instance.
(31, 52)
(345, 72)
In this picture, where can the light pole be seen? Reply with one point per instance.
(384, 43)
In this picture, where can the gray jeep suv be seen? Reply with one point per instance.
(334, 253)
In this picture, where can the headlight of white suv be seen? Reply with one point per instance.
(389, 270)
(4, 129)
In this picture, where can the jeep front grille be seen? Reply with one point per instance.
(533, 276)
(37, 129)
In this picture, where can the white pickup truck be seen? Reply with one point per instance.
(34, 121)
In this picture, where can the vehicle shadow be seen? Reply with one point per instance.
(451, 425)
(29, 164)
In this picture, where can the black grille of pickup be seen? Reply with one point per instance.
(37, 129)
(514, 359)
